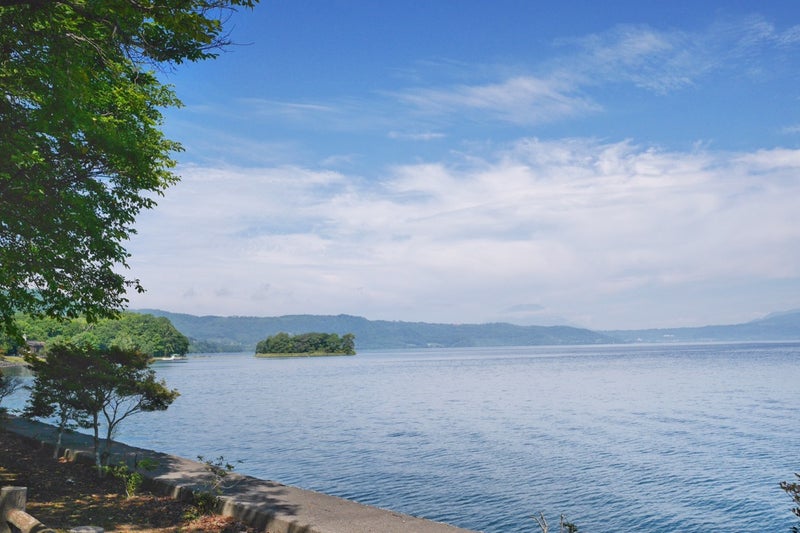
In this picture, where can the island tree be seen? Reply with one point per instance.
(81, 147)
(307, 343)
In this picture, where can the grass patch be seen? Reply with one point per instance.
(64, 494)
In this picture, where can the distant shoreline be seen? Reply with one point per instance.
(300, 354)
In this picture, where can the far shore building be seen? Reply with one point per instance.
(35, 347)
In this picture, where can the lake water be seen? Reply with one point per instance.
(667, 438)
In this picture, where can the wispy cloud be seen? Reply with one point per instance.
(653, 60)
(416, 136)
(268, 107)
(569, 85)
(519, 100)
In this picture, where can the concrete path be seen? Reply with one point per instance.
(265, 505)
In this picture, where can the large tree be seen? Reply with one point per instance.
(81, 147)
(57, 389)
(95, 387)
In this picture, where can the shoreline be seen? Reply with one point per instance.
(10, 364)
(301, 354)
(262, 504)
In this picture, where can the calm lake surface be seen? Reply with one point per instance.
(667, 438)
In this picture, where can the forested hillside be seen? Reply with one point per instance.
(155, 336)
(216, 333)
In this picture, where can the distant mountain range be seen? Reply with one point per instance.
(783, 326)
(216, 333)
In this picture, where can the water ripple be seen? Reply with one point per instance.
(624, 438)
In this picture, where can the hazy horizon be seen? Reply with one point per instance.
(214, 315)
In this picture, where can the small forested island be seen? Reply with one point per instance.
(306, 344)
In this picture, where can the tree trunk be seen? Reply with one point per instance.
(57, 448)
(97, 462)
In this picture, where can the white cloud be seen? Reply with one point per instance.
(600, 233)
(572, 225)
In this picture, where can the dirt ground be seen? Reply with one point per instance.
(63, 495)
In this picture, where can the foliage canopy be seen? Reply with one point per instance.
(93, 387)
(154, 336)
(310, 343)
(793, 490)
(55, 393)
(81, 149)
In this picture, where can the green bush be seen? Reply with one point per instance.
(131, 479)
(206, 500)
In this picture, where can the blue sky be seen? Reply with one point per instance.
(601, 164)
